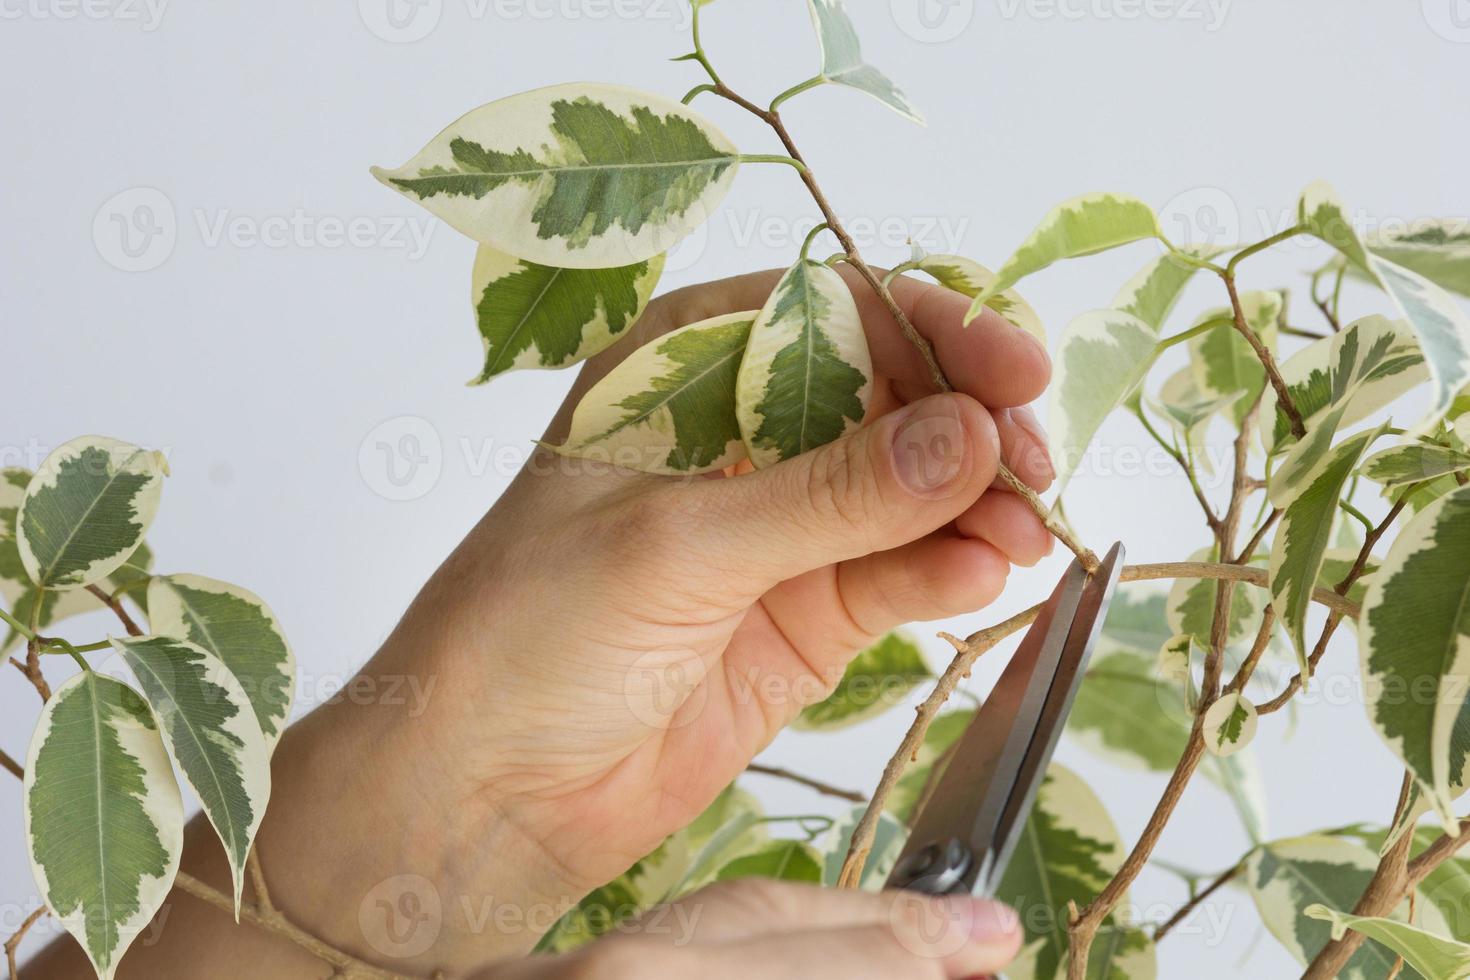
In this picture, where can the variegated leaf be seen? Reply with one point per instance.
(1068, 851)
(1373, 361)
(877, 679)
(1439, 251)
(86, 510)
(1435, 957)
(1081, 226)
(1415, 637)
(783, 860)
(730, 827)
(537, 316)
(1286, 876)
(1188, 410)
(1176, 658)
(1102, 357)
(21, 594)
(1363, 355)
(669, 407)
(1152, 293)
(104, 821)
(1442, 326)
(1305, 534)
(807, 375)
(1125, 713)
(1191, 606)
(1229, 725)
(573, 176)
(888, 841)
(211, 734)
(238, 627)
(842, 59)
(606, 907)
(970, 278)
(1414, 463)
(1224, 362)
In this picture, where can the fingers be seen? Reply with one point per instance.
(1007, 522)
(877, 488)
(1023, 446)
(935, 577)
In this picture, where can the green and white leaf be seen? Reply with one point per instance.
(582, 176)
(1367, 366)
(970, 278)
(1068, 851)
(1435, 957)
(943, 732)
(1101, 359)
(1415, 637)
(211, 734)
(807, 375)
(1441, 324)
(1285, 876)
(1223, 361)
(876, 680)
(1188, 410)
(21, 595)
(1301, 544)
(1414, 463)
(842, 59)
(625, 896)
(1190, 608)
(1121, 951)
(669, 407)
(104, 821)
(87, 509)
(537, 316)
(1439, 251)
(1176, 658)
(783, 860)
(1229, 725)
(729, 828)
(238, 627)
(1153, 292)
(888, 841)
(1081, 226)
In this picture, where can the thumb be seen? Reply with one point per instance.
(894, 481)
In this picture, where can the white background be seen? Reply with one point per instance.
(264, 368)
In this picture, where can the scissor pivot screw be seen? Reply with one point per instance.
(938, 869)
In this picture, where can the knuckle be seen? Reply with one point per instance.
(838, 491)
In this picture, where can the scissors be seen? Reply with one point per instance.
(964, 836)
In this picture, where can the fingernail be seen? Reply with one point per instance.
(929, 446)
(1026, 419)
(992, 920)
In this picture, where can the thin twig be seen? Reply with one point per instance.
(855, 259)
(1196, 901)
(13, 943)
(117, 607)
(807, 781)
(257, 882)
(1267, 359)
(11, 766)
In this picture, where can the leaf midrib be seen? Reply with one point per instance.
(66, 542)
(694, 163)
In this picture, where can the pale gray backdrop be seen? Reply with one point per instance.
(195, 258)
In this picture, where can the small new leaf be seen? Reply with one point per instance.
(842, 59)
(806, 376)
(875, 680)
(1229, 725)
(970, 278)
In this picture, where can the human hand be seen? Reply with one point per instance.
(608, 650)
(793, 932)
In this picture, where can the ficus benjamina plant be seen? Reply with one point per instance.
(574, 194)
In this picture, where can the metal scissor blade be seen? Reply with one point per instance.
(1086, 625)
(972, 793)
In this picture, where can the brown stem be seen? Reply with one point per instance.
(1386, 889)
(276, 923)
(13, 943)
(1195, 902)
(257, 882)
(1267, 359)
(117, 607)
(11, 766)
(1261, 532)
(807, 781)
(910, 332)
